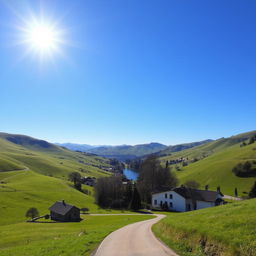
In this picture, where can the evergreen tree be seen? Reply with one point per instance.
(252, 193)
(206, 187)
(166, 164)
(236, 193)
(135, 202)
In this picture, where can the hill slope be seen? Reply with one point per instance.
(212, 163)
(223, 230)
(19, 152)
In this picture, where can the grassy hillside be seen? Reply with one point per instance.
(63, 239)
(180, 147)
(215, 161)
(18, 152)
(222, 231)
(33, 173)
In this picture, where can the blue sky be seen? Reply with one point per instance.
(132, 72)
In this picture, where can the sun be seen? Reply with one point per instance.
(42, 38)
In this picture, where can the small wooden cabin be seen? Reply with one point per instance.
(61, 211)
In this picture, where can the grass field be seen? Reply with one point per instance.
(62, 239)
(223, 230)
(216, 161)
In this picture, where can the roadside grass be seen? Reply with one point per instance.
(63, 239)
(223, 230)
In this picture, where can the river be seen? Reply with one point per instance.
(130, 174)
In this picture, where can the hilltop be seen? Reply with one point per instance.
(125, 152)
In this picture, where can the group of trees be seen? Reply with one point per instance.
(154, 177)
(111, 192)
(244, 169)
(76, 178)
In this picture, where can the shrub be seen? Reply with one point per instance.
(244, 170)
(32, 213)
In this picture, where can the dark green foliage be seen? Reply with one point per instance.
(192, 184)
(206, 187)
(74, 176)
(244, 170)
(32, 213)
(252, 193)
(236, 193)
(109, 192)
(153, 177)
(134, 164)
(78, 185)
(252, 140)
(135, 203)
(167, 164)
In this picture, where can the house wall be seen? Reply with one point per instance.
(202, 204)
(178, 202)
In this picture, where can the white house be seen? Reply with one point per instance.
(183, 199)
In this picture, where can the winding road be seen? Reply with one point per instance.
(135, 239)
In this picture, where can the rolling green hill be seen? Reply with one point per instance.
(226, 230)
(212, 163)
(34, 173)
(127, 152)
(19, 152)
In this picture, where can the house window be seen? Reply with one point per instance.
(155, 202)
(171, 205)
(170, 196)
(165, 195)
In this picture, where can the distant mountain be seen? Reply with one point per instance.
(76, 147)
(180, 147)
(125, 152)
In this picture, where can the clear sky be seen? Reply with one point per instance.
(130, 72)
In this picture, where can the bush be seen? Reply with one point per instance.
(32, 213)
(244, 170)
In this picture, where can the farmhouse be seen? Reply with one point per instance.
(183, 199)
(61, 211)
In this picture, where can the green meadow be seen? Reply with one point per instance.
(215, 163)
(62, 239)
(224, 230)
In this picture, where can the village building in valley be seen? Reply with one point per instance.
(61, 211)
(183, 199)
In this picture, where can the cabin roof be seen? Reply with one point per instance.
(61, 207)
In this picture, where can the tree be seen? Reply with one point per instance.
(153, 177)
(218, 189)
(192, 184)
(236, 193)
(109, 192)
(252, 193)
(166, 164)
(206, 187)
(74, 176)
(32, 213)
(135, 203)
